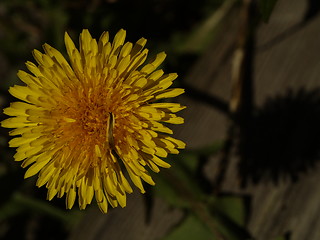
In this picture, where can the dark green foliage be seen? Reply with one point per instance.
(266, 8)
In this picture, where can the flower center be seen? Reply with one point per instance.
(93, 118)
(83, 117)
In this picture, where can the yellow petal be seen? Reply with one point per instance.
(154, 63)
(103, 205)
(71, 197)
(36, 167)
(118, 41)
(169, 93)
(18, 141)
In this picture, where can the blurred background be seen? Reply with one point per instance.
(252, 124)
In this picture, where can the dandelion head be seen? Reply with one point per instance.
(87, 125)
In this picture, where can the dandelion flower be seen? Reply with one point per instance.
(84, 126)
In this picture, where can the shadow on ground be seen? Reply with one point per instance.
(283, 138)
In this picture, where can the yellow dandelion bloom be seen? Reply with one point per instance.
(82, 125)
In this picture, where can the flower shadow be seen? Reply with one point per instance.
(282, 140)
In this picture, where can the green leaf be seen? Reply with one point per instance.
(280, 238)
(178, 185)
(10, 209)
(185, 162)
(266, 7)
(205, 31)
(285, 237)
(20, 203)
(233, 207)
(190, 228)
(181, 182)
(165, 190)
(208, 150)
(230, 214)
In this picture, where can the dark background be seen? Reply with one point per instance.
(262, 155)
